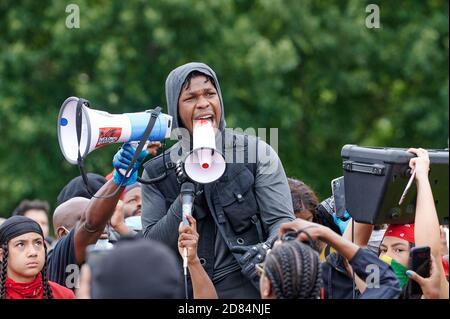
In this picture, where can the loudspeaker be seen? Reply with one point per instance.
(375, 179)
(101, 128)
(204, 164)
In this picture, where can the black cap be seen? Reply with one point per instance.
(77, 188)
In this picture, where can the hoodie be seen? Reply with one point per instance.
(174, 83)
(253, 200)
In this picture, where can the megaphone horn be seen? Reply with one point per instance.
(204, 164)
(99, 128)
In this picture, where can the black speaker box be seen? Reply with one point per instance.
(375, 178)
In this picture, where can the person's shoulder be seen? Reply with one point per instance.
(251, 140)
(239, 140)
(155, 166)
(242, 136)
(61, 292)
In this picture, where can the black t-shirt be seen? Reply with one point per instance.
(61, 261)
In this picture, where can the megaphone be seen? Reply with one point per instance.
(204, 164)
(99, 128)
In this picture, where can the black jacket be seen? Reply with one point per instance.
(338, 285)
(246, 205)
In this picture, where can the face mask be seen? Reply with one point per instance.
(399, 269)
(103, 244)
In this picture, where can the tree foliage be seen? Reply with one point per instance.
(312, 69)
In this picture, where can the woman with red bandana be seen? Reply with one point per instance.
(399, 239)
(395, 247)
(23, 267)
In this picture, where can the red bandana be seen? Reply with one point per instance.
(28, 290)
(35, 289)
(405, 232)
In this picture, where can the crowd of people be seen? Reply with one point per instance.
(252, 234)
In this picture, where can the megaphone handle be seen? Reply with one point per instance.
(123, 171)
(135, 145)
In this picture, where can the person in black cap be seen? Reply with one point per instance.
(77, 188)
(133, 269)
(38, 211)
(23, 272)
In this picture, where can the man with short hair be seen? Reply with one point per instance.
(132, 201)
(68, 214)
(127, 217)
(37, 210)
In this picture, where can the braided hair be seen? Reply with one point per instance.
(4, 270)
(48, 294)
(294, 271)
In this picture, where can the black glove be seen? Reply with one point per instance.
(251, 255)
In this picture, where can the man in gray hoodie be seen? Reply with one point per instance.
(237, 216)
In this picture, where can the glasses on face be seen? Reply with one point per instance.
(259, 269)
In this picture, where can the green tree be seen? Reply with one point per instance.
(311, 69)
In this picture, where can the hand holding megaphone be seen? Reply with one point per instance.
(122, 160)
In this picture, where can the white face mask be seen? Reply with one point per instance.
(103, 244)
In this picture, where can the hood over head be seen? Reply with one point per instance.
(174, 83)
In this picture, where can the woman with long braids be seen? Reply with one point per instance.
(23, 266)
(291, 271)
(386, 287)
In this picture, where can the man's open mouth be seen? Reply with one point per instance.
(206, 117)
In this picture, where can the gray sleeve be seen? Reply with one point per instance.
(272, 190)
(157, 223)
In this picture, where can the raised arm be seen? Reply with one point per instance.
(426, 223)
(101, 207)
(362, 233)
(357, 257)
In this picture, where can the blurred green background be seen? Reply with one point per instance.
(312, 69)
